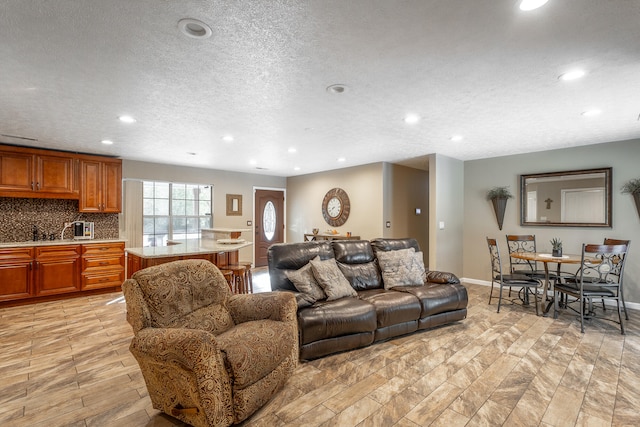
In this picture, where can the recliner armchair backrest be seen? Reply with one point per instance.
(180, 294)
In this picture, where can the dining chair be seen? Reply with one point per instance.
(524, 243)
(599, 277)
(526, 284)
(619, 270)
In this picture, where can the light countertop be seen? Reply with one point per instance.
(30, 243)
(187, 247)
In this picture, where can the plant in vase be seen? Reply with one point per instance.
(633, 187)
(556, 247)
(498, 197)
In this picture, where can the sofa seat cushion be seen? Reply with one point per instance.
(392, 307)
(329, 319)
(244, 347)
(437, 298)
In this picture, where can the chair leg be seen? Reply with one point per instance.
(535, 299)
(500, 298)
(624, 305)
(620, 317)
(491, 293)
(582, 303)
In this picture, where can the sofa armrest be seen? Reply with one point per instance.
(279, 306)
(181, 347)
(441, 277)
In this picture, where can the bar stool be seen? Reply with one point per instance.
(228, 275)
(242, 276)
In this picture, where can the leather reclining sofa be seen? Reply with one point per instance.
(373, 313)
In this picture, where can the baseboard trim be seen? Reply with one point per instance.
(630, 305)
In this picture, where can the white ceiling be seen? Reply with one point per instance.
(479, 68)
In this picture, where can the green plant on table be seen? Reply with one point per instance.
(556, 244)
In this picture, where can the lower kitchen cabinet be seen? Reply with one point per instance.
(35, 273)
(16, 273)
(102, 265)
(57, 269)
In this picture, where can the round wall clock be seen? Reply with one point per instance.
(336, 207)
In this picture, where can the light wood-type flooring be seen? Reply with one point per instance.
(67, 363)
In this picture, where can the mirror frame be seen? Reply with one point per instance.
(608, 198)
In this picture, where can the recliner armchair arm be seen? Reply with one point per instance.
(279, 306)
(442, 277)
(187, 348)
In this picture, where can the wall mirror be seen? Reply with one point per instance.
(580, 198)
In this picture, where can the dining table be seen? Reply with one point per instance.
(546, 258)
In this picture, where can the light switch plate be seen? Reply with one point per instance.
(441, 225)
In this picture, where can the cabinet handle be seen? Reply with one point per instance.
(104, 263)
(38, 186)
(32, 186)
(31, 265)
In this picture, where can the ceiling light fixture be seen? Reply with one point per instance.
(527, 5)
(592, 112)
(411, 119)
(341, 159)
(297, 168)
(292, 150)
(194, 28)
(337, 88)
(456, 138)
(227, 138)
(572, 75)
(126, 119)
(107, 142)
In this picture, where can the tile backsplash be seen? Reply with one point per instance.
(18, 216)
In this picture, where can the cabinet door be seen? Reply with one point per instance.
(16, 171)
(16, 273)
(112, 187)
(55, 175)
(57, 269)
(90, 183)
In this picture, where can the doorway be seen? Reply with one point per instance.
(269, 222)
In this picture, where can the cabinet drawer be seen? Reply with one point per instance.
(67, 251)
(103, 249)
(94, 263)
(16, 255)
(104, 279)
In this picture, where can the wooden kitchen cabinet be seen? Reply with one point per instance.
(102, 265)
(16, 273)
(57, 269)
(101, 186)
(32, 173)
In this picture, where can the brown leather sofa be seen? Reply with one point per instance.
(376, 313)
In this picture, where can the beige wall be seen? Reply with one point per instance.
(480, 222)
(446, 202)
(223, 182)
(363, 185)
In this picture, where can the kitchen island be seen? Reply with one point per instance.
(221, 254)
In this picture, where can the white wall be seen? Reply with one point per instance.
(223, 182)
(480, 222)
(363, 185)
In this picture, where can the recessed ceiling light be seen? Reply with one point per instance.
(107, 141)
(456, 138)
(126, 119)
(297, 168)
(194, 28)
(592, 112)
(227, 138)
(337, 88)
(411, 119)
(341, 159)
(253, 162)
(572, 75)
(292, 150)
(527, 5)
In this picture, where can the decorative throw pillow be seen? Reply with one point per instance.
(305, 282)
(418, 266)
(401, 268)
(331, 279)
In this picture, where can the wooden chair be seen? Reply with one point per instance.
(619, 271)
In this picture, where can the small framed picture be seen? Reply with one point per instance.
(234, 204)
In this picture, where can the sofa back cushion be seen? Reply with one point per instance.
(283, 257)
(381, 244)
(185, 294)
(358, 263)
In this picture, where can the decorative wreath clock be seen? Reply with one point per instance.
(336, 207)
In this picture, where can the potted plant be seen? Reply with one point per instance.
(556, 247)
(498, 197)
(633, 187)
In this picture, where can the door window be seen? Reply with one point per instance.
(269, 220)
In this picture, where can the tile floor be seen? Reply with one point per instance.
(67, 363)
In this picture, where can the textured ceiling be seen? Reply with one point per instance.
(479, 68)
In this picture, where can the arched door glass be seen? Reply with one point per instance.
(269, 220)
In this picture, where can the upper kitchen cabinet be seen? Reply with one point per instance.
(34, 173)
(100, 185)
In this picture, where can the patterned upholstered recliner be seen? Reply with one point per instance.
(208, 357)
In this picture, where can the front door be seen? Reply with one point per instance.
(269, 227)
